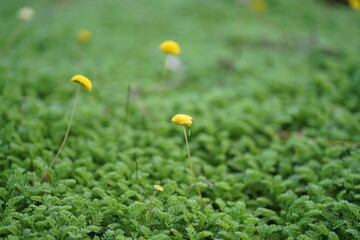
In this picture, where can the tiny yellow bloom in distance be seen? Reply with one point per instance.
(170, 47)
(158, 188)
(82, 80)
(355, 4)
(259, 6)
(84, 36)
(182, 119)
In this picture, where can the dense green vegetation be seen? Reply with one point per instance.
(275, 99)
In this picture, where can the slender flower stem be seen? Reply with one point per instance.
(191, 168)
(127, 103)
(344, 143)
(46, 175)
(136, 166)
(68, 129)
(151, 203)
(165, 71)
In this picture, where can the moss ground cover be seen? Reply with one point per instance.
(275, 101)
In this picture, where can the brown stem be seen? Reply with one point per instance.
(345, 143)
(127, 103)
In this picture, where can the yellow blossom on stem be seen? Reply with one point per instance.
(170, 47)
(182, 119)
(259, 6)
(355, 4)
(186, 120)
(84, 36)
(158, 188)
(82, 80)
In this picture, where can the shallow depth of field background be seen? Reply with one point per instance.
(275, 98)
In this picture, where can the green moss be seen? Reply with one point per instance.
(275, 102)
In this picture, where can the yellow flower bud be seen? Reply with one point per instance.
(259, 6)
(170, 47)
(158, 188)
(182, 119)
(82, 80)
(355, 4)
(84, 36)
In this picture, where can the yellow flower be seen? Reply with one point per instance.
(355, 4)
(182, 119)
(158, 188)
(84, 36)
(259, 6)
(170, 47)
(82, 80)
